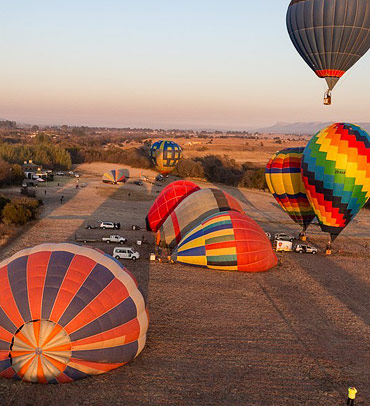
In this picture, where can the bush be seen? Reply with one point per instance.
(188, 168)
(16, 214)
(20, 210)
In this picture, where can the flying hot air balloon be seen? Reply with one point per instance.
(67, 312)
(330, 35)
(336, 174)
(115, 176)
(165, 156)
(227, 241)
(170, 197)
(283, 177)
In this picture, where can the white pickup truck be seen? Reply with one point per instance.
(115, 238)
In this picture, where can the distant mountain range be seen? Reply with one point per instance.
(301, 128)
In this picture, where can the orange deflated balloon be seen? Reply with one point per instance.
(67, 312)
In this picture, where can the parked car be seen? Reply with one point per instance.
(160, 178)
(104, 225)
(138, 182)
(283, 236)
(114, 238)
(110, 225)
(309, 249)
(126, 253)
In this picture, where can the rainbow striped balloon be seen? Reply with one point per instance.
(228, 241)
(336, 174)
(283, 177)
(115, 176)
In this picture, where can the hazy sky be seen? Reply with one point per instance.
(163, 63)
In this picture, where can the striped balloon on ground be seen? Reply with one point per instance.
(170, 197)
(283, 177)
(115, 176)
(227, 241)
(191, 211)
(336, 174)
(67, 312)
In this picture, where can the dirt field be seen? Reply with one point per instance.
(296, 335)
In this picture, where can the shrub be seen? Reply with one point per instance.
(20, 210)
(16, 214)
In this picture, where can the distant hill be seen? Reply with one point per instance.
(301, 128)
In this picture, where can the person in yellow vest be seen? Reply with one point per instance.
(351, 395)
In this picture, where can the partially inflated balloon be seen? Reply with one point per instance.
(336, 174)
(330, 35)
(115, 176)
(67, 312)
(227, 241)
(191, 211)
(165, 155)
(170, 197)
(283, 177)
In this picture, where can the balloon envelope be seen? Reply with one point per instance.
(336, 174)
(67, 312)
(114, 176)
(191, 211)
(170, 197)
(330, 35)
(283, 177)
(227, 241)
(165, 155)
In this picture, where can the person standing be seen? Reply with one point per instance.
(351, 396)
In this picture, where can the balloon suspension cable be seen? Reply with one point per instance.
(327, 98)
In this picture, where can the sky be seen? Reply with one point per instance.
(163, 64)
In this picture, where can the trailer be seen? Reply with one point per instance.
(86, 239)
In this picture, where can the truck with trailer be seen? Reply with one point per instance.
(115, 238)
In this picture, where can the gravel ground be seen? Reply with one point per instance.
(296, 335)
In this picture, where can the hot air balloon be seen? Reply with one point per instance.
(227, 241)
(67, 312)
(170, 197)
(165, 156)
(191, 211)
(283, 177)
(336, 174)
(330, 35)
(115, 176)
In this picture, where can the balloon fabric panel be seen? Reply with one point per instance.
(67, 312)
(170, 197)
(336, 174)
(191, 211)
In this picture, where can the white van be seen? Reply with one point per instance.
(282, 245)
(125, 253)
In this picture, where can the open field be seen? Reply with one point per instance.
(296, 335)
(242, 150)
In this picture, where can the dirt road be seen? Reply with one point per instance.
(296, 335)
